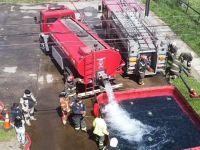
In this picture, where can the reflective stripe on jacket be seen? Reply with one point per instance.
(78, 108)
(142, 66)
(176, 66)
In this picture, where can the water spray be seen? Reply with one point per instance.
(120, 120)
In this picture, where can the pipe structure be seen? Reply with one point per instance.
(147, 8)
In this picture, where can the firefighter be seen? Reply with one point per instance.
(20, 130)
(188, 58)
(174, 66)
(65, 108)
(28, 103)
(78, 114)
(16, 111)
(70, 85)
(172, 48)
(100, 130)
(142, 66)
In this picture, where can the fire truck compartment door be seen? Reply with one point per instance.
(58, 56)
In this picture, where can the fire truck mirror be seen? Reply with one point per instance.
(96, 47)
(35, 20)
(99, 8)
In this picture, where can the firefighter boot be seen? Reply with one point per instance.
(28, 122)
(64, 122)
(33, 118)
(84, 129)
(141, 82)
(77, 129)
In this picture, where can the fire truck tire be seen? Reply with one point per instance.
(104, 25)
(42, 45)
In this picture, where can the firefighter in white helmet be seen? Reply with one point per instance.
(28, 103)
(172, 48)
(70, 85)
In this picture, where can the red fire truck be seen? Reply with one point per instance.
(124, 23)
(76, 48)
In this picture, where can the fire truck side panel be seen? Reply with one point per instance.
(84, 49)
(107, 60)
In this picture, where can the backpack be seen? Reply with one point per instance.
(16, 112)
(31, 103)
(18, 122)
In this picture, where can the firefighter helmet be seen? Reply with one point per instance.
(63, 94)
(27, 92)
(15, 105)
(77, 99)
(189, 64)
(113, 142)
(70, 78)
(173, 48)
(174, 43)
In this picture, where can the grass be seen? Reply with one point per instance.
(6, 135)
(195, 4)
(194, 102)
(183, 24)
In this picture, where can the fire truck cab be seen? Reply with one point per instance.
(47, 18)
(124, 24)
(53, 13)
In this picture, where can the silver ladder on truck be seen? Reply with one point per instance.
(133, 27)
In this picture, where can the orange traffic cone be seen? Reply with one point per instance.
(7, 124)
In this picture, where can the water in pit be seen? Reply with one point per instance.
(122, 124)
(150, 123)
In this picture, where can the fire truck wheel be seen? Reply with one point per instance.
(42, 45)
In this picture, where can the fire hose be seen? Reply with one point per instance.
(193, 93)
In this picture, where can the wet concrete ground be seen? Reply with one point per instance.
(23, 65)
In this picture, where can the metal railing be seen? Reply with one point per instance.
(185, 4)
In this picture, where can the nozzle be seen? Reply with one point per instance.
(101, 75)
(193, 94)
